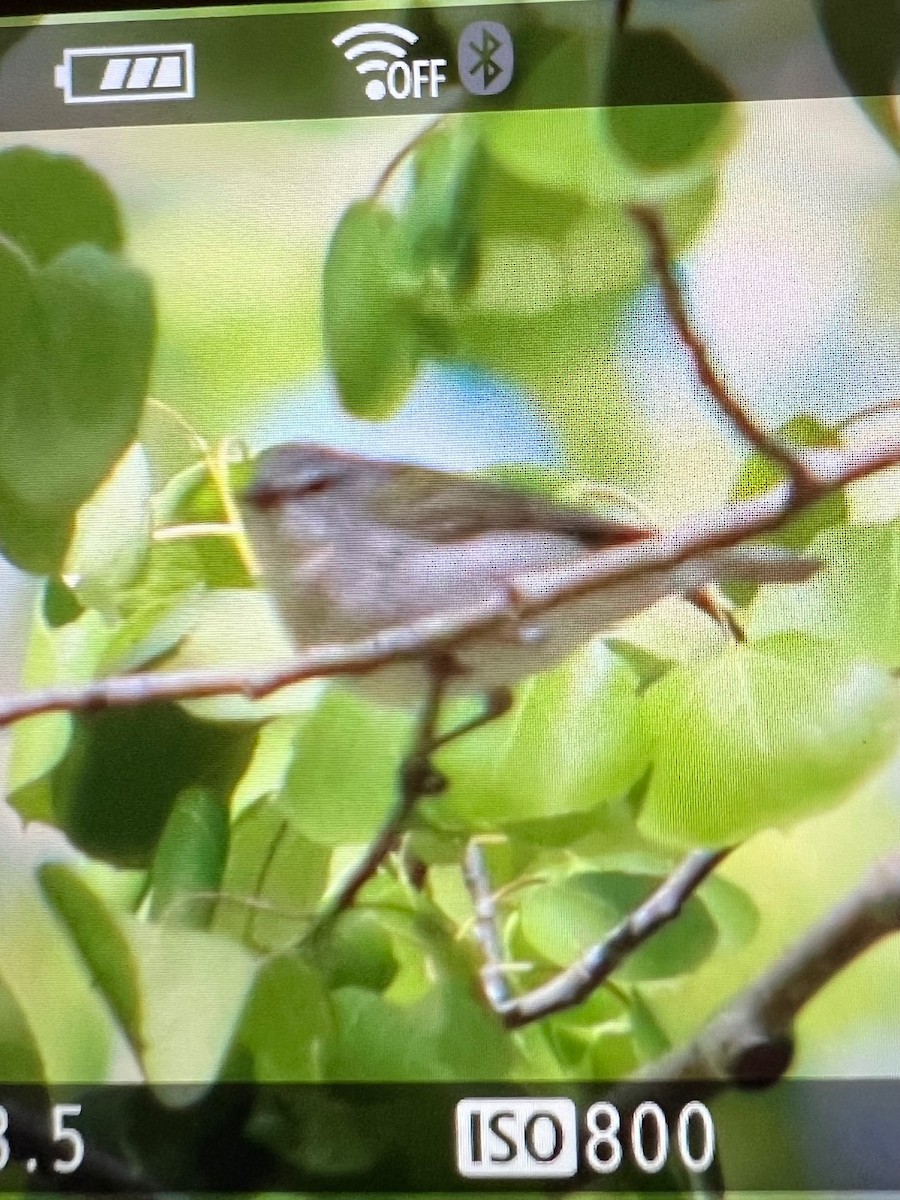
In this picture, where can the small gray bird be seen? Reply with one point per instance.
(351, 545)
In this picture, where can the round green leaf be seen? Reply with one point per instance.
(113, 791)
(285, 1020)
(357, 952)
(343, 776)
(570, 742)
(759, 736)
(50, 202)
(72, 380)
(562, 920)
(370, 337)
(665, 105)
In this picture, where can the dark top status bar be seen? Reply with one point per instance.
(313, 65)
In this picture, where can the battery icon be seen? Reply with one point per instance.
(104, 74)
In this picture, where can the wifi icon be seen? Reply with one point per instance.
(369, 42)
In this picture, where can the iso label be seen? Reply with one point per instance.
(530, 1138)
(516, 1138)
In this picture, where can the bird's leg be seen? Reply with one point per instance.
(712, 605)
(497, 703)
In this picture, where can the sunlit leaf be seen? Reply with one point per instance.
(854, 601)
(570, 742)
(759, 736)
(273, 880)
(342, 780)
(100, 942)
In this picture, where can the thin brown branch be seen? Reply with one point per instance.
(734, 410)
(751, 1038)
(527, 596)
(574, 984)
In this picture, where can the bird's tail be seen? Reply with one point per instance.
(764, 564)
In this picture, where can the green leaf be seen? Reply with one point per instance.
(761, 735)
(286, 1019)
(447, 1035)
(650, 1039)
(73, 376)
(235, 628)
(51, 202)
(72, 389)
(342, 779)
(190, 860)
(562, 920)
(273, 880)
(369, 328)
(733, 911)
(665, 104)
(570, 742)
(60, 604)
(441, 223)
(65, 654)
(193, 987)
(20, 1057)
(100, 942)
(123, 770)
(357, 952)
(854, 601)
(112, 533)
(866, 50)
(177, 995)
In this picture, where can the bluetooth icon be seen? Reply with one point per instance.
(485, 55)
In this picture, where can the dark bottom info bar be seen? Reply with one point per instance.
(799, 1135)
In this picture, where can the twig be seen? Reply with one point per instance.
(578, 981)
(751, 1039)
(622, 12)
(486, 927)
(729, 406)
(526, 596)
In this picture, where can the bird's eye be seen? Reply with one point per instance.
(317, 483)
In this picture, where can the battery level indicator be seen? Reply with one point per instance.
(104, 74)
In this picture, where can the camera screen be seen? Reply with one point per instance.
(450, 599)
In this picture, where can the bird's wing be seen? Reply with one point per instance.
(444, 508)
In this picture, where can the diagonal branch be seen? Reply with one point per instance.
(735, 411)
(751, 1039)
(417, 778)
(526, 596)
(574, 984)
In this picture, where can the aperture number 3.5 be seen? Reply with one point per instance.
(65, 1139)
